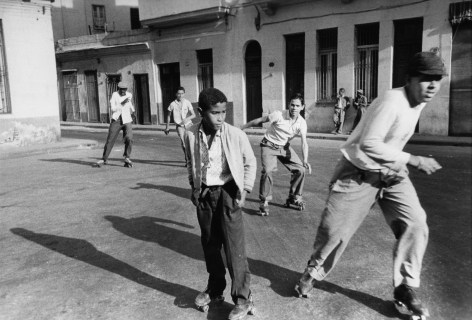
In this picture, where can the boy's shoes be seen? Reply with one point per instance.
(128, 163)
(240, 311)
(100, 163)
(204, 298)
(405, 297)
(304, 285)
(264, 208)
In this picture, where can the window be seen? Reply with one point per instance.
(134, 18)
(326, 71)
(205, 69)
(99, 18)
(367, 59)
(4, 94)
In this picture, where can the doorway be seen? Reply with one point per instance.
(71, 110)
(253, 81)
(169, 75)
(93, 110)
(141, 99)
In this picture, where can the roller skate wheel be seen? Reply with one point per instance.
(204, 308)
(252, 312)
(417, 317)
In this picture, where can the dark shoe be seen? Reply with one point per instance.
(240, 311)
(304, 285)
(405, 296)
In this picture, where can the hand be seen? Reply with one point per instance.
(306, 165)
(241, 201)
(427, 165)
(194, 200)
(125, 101)
(166, 131)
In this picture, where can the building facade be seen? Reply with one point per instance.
(259, 52)
(29, 108)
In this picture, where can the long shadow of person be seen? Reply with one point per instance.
(83, 250)
(180, 192)
(79, 162)
(282, 280)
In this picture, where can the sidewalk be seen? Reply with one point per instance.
(12, 151)
(416, 139)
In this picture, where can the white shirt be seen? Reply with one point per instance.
(180, 109)
(121, 110)
(215, 168)
(378, 141)
(282, 130)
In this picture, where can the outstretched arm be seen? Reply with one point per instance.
(256, 122)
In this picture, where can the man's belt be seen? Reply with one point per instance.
(273, 145)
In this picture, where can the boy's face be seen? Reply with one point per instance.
(214, 117)
(423, 88)
(341, 92)
(180, 94)
(122, 91)
(295, 107)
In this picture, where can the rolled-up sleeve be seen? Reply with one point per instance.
(250, 163)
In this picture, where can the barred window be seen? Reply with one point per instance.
(367, 59)
(4, 93)
(205, 69)
(99, 18)
(326, 70)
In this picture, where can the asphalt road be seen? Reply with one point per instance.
(114, 243)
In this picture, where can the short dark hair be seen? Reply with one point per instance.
(209, 97)
(181, 88)
(298, 96)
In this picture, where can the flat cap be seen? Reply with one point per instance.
(122, 85)
(426, 63)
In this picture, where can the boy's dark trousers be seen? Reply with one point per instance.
(221, 224)
(115, 127)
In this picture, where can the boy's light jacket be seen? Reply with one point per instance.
(239, 154)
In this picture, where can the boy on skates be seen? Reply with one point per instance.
(222, 168)
(373, 169)
(121, 120)
(276, 145)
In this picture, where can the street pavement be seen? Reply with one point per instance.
(115, 243)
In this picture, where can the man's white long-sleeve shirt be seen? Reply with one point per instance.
(378, 141)
(124, 110)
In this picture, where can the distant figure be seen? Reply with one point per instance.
(360, 104)
(342, 104)
(121, 120)
(183, 113)
(221, 170)
(374, 169)
(276, 146)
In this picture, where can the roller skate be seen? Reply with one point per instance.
(407, 303)
(128, 163)
(240, 311)
(100, 163)
(296, 201)
(304, 285)
(264, 208)
(203, 299)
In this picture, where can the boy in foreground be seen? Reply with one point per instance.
(222, 168)
(374, 169)
(276, 145)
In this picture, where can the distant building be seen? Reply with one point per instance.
(259, 52)
(98, 45)
(29, 109)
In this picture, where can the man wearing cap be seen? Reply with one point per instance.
(374, 169)
(360, 104)
(121, 119)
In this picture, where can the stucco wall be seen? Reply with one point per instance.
(31, 73)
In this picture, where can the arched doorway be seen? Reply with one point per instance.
(253, 81)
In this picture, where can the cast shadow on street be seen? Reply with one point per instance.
(270, 203)
(282, 280)
(179, 192)
(83, 250)
(81, 162)
(167, 163)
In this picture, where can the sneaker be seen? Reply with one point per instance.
(240, 311)
(405, 295)
(100, 163)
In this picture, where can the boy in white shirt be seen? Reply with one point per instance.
(183, 114)
(374, 169)
(276, 145)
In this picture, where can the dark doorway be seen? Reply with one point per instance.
(169, 74)
(460, 112)
(295, 67)
(253, 81)
(408, 40)
(70, 109)
(93, 110)
(112, 86)
(134, 18)
(141, 99)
